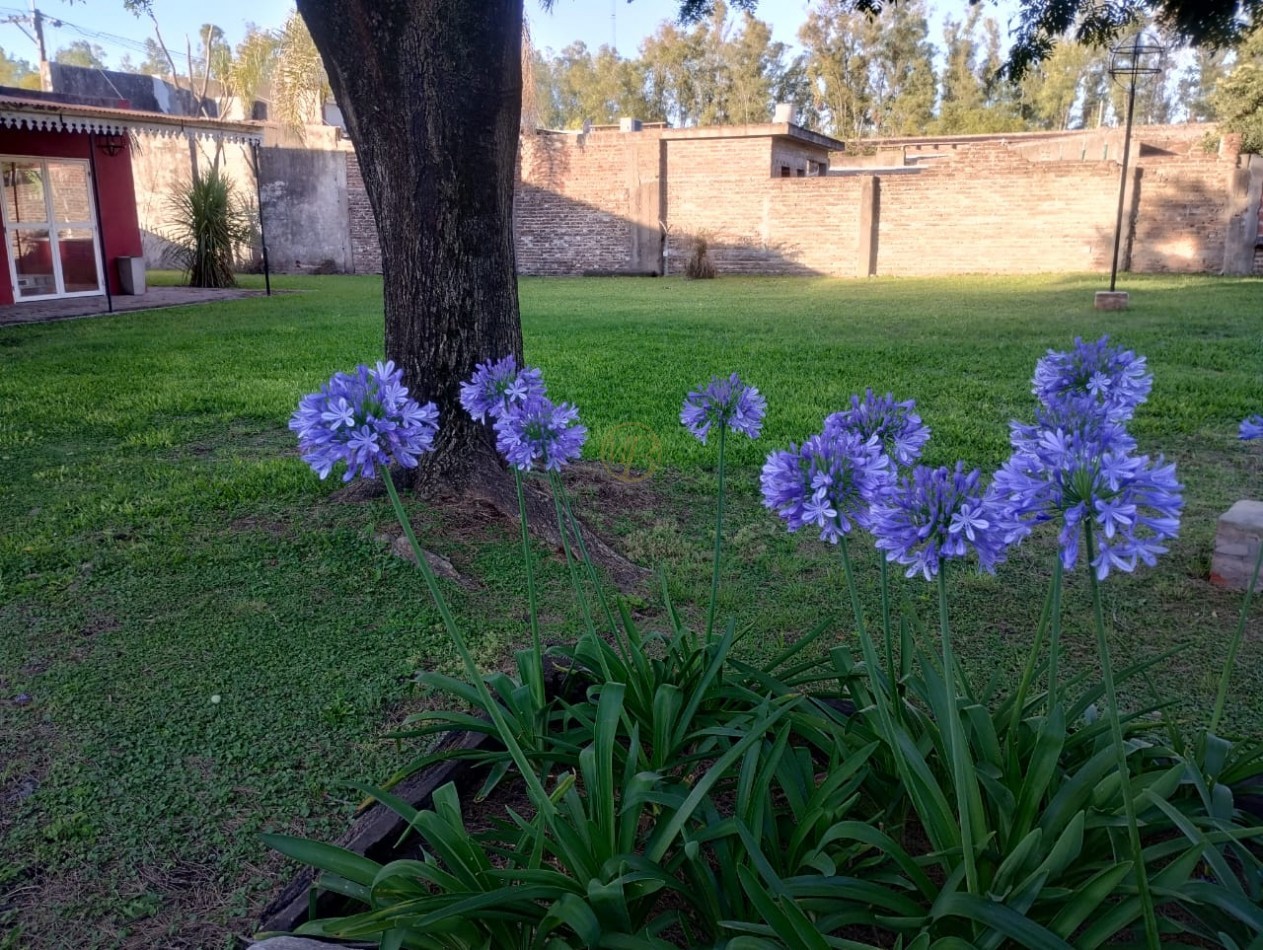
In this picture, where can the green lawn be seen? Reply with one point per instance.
(211, 639)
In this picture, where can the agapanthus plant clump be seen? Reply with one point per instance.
(829, 482)
(365, 420)
(699, 798)
(894, 423)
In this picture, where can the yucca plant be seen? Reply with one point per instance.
(209, 224)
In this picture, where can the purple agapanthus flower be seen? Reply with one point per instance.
(895, 424)
(724, 402)
(366, 420)
(1252, 427)
(495, 386)
(537, 433)
(829, 482)
(1072, 476)
(1093, 377)
(936, 514)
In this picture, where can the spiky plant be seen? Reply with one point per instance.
(209, 223)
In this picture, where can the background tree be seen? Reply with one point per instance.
(82, 53)
(837, 66)
(1197, 81)
(901, 77)
(17, 73)
(1238, 99)
(300, 85)
(870, 76)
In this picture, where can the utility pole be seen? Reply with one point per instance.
(1143, 57)
(37, 21)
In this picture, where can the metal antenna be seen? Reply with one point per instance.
(614, 25)
(1142, 57)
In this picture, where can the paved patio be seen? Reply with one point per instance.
(46, 311)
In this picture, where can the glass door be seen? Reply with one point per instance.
(50, 229)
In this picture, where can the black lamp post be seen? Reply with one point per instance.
(1128, 62)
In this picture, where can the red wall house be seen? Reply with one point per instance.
(117, 222)
(58, 213)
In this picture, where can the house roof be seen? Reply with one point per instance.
(18, 112)
(786, 130)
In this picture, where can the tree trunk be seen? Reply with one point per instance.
(431, 93)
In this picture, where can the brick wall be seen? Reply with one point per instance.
(992, 211)
(366, 253)
(585, 203)
(1181, 225)
(594, 203)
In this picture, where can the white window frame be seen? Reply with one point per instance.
(52, 227)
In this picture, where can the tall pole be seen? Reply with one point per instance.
(100, 222)
(263, 239)
(1122, 183)
(37, 21)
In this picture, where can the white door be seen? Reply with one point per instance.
(50, 228)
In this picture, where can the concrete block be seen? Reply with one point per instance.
(1237, 542)
(1111, 300)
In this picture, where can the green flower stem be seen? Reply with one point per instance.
(576, 528)
(1054, 637)
(1032, 661)
(719, 538)
(575, 580)
(885, 619)
(1221, 696)
(537, 646)
(1120, 751)
(538, 796)
(570, 564)
(956, 741)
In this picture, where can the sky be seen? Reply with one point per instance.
(596, 22)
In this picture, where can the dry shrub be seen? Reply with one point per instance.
(699, 266)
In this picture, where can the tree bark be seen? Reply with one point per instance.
(431, 94)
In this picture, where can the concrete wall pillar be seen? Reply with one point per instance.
(1241, 215)
(870, 221)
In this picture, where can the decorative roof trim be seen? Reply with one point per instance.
(96, 125)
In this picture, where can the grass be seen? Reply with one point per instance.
(199, 640)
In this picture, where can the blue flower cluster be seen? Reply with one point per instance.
(366, 420)
(828, 482)
(898, 428)
(724, 402)
(1078, 463)
(1093, 378)
(530, 429)
(495, 386)
(537, 432)
(1252, 427)
(937, 514)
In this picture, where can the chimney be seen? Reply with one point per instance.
(629, 125)
(784, 114)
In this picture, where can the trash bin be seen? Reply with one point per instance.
(131, 275)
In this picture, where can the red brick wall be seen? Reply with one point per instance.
(588, 203)
(992, 211)
(366, 253)
(592, 204)
(1180, 226)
